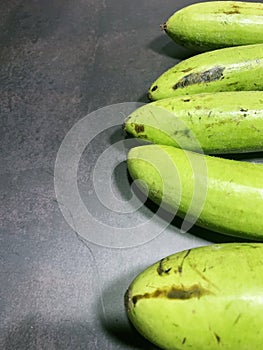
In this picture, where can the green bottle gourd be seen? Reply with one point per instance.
(221, 195)
(205, 298)
(214, 24)
(228, 69)
(222, 122)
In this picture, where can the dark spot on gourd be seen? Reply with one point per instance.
(187, 70)
(143, 136)
(186, 100)
(185, 132)
(174, 292)
(135, 299)
(207, 76)
(237, 319)
(234, 9)
(180, 267)
(154, 88)
(231, 12)
(161, 269)
(232, 84)
(139, 128)
(218, 339)
(184, 340)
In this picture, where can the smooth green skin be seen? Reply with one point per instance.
(219, 194)
(216, 24)
(228, 312)
(223, 122)
(228, 69)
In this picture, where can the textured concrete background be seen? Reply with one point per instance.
(59, 61)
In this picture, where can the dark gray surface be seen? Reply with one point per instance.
(59, 61)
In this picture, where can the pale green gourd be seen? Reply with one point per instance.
(204, 298)
(214, 24)
(219, 194)
(222, 122)
(228, 69)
